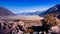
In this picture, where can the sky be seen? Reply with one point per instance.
(19, 6)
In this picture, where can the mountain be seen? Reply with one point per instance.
(38, 12)
(53, 10)
(26, 13)
(30, 13)
(4, 12)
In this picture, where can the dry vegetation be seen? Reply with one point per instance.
(29, 23)
(50, 19)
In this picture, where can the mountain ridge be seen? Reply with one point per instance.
(31, 13)
(53, 10)
(5, 12)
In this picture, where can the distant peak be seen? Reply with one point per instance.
(57, 5)
(1, 7)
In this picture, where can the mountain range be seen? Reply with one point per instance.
(53, 10)
(31, 13)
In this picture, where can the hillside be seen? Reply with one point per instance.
(53, 10)
(4, 12)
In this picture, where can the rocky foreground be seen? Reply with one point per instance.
(50, 24)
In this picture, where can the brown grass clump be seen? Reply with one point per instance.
(50, 19)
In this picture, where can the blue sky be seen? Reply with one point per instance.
(18, 6)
